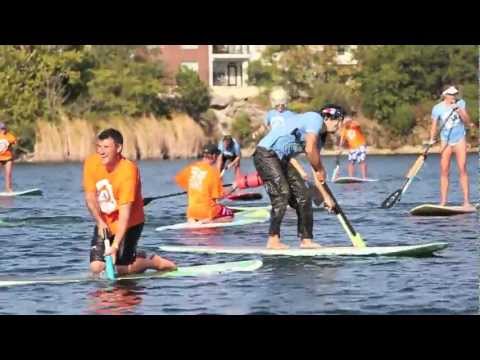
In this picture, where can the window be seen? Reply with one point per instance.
(192, 65)
(342, 49)
(189, 47)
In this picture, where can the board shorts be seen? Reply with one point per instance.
(127, 253)
(452, 139)
(223, 211)
(358, 155)
(4, 162)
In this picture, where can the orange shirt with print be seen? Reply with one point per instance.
(352, 135)
(113, 189)
(6, 141)
(203, 184)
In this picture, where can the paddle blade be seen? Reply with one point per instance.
(335, 172)
(392, 199)
(355, 238)
(109, 268)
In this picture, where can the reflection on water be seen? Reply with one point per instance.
(120, 299)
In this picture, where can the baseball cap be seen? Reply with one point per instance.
(452, 90)
(210, 149)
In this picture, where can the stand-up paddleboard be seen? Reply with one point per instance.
(29, 192)
(351, 180)
(199, 270)
(250, 208)
(241, 218)
(407, 250)
(244, 197)
(437, 210)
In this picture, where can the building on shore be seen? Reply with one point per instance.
(225, 67)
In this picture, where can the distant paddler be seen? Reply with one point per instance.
(203, 184)
(229, 154)
(113, 194)
(7, 141)
(352, 138)
(451, 117)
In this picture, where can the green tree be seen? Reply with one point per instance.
(195, 96)
(395, 77)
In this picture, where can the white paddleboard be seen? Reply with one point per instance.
(437, 210)
(199, 270)
(29, 192)
(351, 180)
(407, 250)
(241, 218)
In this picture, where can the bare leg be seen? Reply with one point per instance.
(351, 169)
(444, 171)
(461, 155)
(141, 264)
(363, 169)
(274, 243)
(8, 176)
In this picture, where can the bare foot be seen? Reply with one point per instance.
(469, 207)
(309, 244)
(277, 246)
(443, 204)
(274, 243)
(163, 264)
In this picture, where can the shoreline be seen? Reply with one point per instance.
(247, 153)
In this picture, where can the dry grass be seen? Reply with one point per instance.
(144, 138)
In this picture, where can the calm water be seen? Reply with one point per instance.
(50, 235)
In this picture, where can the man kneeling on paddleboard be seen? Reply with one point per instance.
(283, 182)
(203, 183)
(113, 195)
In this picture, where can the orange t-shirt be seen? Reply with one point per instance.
(6, 141)
(203, 184)
(119, 187)
(352, 134)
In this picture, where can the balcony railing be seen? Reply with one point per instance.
(231, 49)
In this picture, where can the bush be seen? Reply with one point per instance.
(334, 93)
(259, 74)
(195, 97)
(298, 107)
(403, 119)
(241, 128)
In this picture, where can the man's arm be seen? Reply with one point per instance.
(94, 209)
(124, 212)
(313, 155)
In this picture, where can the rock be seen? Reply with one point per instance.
(220, 102)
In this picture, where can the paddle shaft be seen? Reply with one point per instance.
(148, 200)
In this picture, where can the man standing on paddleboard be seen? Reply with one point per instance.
(453, 116)
(203, 184)
(283, 182)
(113, 194)
(7, 140)
(352, 138)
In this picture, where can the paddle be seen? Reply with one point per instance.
(337, 166)
(393, 198)
(354, 236)
(109, 268)
(148, 200)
